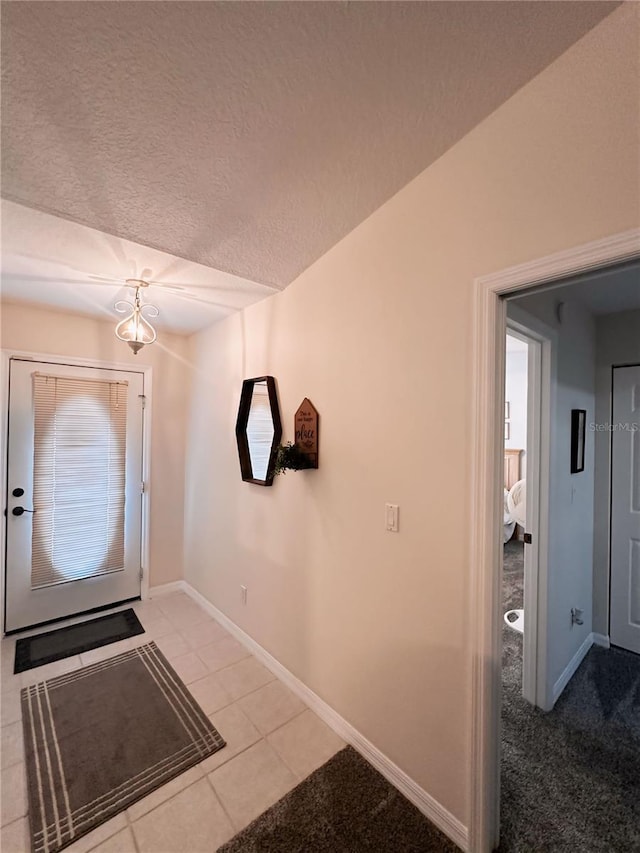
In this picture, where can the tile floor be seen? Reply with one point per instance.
(273, 740)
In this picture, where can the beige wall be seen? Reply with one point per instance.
(56, 333)
(374, 622)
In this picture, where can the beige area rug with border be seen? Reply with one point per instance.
(104, 736)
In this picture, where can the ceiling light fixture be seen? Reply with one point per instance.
(135, 330)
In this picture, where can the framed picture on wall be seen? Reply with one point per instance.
(578, 424)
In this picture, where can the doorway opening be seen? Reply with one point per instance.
(520, 553)
(515, 480)
(584, 688)
(561, 644)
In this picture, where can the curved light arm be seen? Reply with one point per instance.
(135, 330)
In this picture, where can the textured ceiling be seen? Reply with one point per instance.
(251, 137)
(47, 260)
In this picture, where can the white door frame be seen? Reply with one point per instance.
(541, 396)
(487, 460)
(540, 381)
(5, 356)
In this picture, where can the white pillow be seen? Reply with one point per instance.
(517, 502)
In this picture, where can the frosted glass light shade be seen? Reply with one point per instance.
(135, 330)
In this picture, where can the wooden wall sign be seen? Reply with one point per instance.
(306, 431)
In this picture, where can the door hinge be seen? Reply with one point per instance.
(143, 400)
(141, 573)
(142, 487)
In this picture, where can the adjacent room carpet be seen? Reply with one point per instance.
(60, 643)
(344, 807)
(512, 599)
(570, 778)
(100, 738)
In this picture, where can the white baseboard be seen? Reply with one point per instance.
(167, 589)
(601, 640)
(423, 801)
(571, 667)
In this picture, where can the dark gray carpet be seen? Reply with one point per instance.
(512, 599)
(344, 807)
(570, 778)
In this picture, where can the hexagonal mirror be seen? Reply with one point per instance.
(258, 430)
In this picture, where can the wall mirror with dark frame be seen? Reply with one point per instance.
(258, 430)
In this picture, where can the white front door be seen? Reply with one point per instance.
(624, 630)
(74, 496)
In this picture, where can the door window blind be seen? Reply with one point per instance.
(78, 478)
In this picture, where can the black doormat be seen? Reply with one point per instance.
(40, 649)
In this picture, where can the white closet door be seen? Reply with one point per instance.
(74, 498)
(625, 510)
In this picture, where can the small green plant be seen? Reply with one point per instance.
(289, 457)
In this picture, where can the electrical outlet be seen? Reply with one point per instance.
(576, 616)
(243, 594)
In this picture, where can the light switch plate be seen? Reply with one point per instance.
(391, 517)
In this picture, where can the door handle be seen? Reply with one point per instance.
(20, 510)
